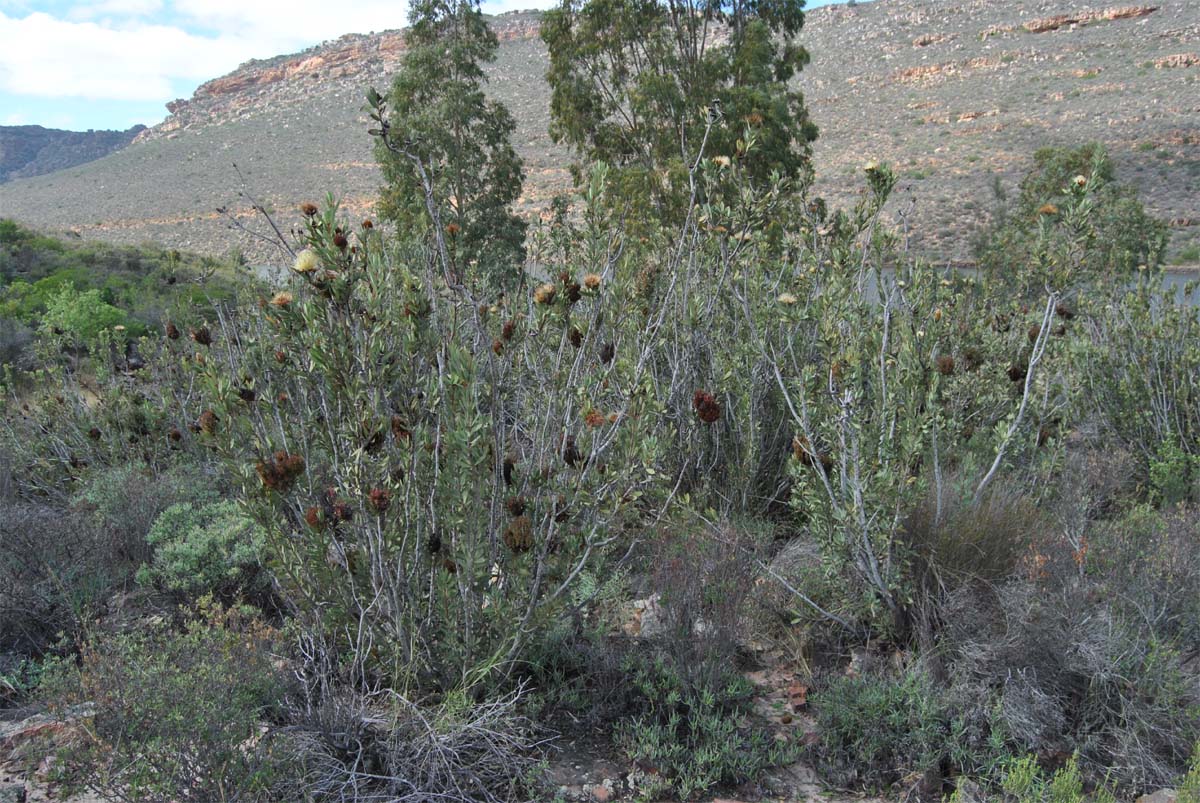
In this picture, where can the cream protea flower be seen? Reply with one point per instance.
(281, 299)
(306, 262)
(1080, 181)
(544, 294)
(721, 161)
(591, 281)
(871, 166)
(786, 299)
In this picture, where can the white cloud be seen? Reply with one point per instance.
(146, 50)
(48, 57)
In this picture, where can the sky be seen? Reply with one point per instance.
(115, 63)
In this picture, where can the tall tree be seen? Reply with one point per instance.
(454, 144)
(640, 84)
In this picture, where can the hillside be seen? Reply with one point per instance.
(31, 150)
(951, 93)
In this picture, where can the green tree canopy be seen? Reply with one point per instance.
(636, 83)
(459, 139)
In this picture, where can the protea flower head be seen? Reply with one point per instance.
(707, 408)
(307, 261)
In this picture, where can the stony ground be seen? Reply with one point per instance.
(952, 92)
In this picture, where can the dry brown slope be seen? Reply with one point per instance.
(948, 91)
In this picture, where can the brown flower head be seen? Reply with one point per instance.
(175, 435)
(506, 331)
(453, 229)
(247, 395)
(591, 281)
(400, 429)
(1017, 372)
(544, 294)
(573, 292)
(202, 336)
(309, 209)
(339, 239)
(313, 517)
(497, 347)
(515, 505)
(570, 453)
(367, 224)
(708, 409)
(575, 337)
(380, 500)
(1033, 333)
(172, 331)
(280, 356)
(280, 471)
(607, 352)
(518, 535)
(509, 464)
(208, 422)
(1063, 311)
(944, 364)
(594, 418)
(282, 299)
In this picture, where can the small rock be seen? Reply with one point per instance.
(1161, 796)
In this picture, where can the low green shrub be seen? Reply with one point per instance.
(879, 729)
(176, 715)
(210, 548)
(694, 737)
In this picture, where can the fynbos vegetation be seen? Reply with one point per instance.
(698, 460)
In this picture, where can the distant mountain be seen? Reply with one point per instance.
(30, 150)
(951, 92)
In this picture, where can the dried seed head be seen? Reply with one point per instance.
(506, 331)
(497, 346)
(313, 517)
(515, 505)
(594, 418)
(308, 209)
(172, 331)
(944, 364)
(574, 293)
(607, 352)
(247, 395)
(544, 294)
(591, 281)
(282, 299)
(202, 336)
(453, 229)
(367, 224)
(575, 337)
(175, 435)
(339, 239)
(1033, 333)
